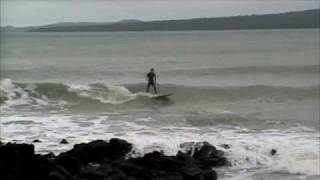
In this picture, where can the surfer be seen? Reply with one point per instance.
(151, 77)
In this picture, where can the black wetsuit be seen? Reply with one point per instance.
(151, 81)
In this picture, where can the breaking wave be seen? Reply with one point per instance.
(48, 94)
(42, 94)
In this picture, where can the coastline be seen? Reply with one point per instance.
(227, 87)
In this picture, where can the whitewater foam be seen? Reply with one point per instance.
(108, 94)
(297, 147)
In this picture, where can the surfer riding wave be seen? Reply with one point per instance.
(152, 80)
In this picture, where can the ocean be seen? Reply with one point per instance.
(254, 90)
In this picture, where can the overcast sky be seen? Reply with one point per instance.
(40, 12)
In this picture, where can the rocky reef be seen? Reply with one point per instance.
(109, 160)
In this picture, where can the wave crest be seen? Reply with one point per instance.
(49, 94)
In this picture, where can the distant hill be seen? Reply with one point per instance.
(14, 29)
(56, 25)
(299, 19)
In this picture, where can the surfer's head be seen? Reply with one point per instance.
(152, 69)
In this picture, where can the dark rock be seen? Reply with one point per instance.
(95, 151)
(119, 147)
(186, 158)
(58, 175)
(72, 164)
(191, 172)
(207, 154)
(187, 146)
(99, 150)
(82, 152)
(55, 176)
(16, 152)
(225, 146)
(157, 160)
(101, 171)
(64, 141)
(132, 169)
(209, 175)
(101, 160)
(198, 174)
(132, 178)
(214, 162)
(18, 161)
(36, 141)
(49, 156)
(273, 152)
(204, 151)
(93, 172)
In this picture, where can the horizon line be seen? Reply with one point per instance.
(101, 22)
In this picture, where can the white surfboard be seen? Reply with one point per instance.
(162, 96)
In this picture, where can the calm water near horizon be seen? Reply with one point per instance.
(255, 90)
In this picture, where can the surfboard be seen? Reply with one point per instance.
(162, 96)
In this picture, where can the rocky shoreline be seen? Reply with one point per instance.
(109, 160)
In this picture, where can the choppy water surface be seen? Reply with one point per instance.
(254, 90)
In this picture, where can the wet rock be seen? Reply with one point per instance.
(225, 146)
(64, 141)
(205, 151)
(36, 141)
(59, 173)
(99, 150)
(207, 154)
(191, 172)
(18, 161)
(186, 158)
(72, 164)
(209, 175)
(156, 160)
(273, 152)
(56, 176)
(49, 156)
(106, 161)
(188, 146)
(132, 169)
(119, 147)
(199, 174)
